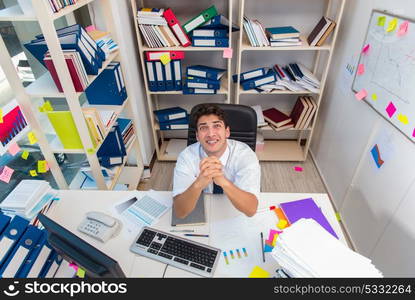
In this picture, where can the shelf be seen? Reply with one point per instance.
(246, 46)
(44, 86)
(163, 155)
(70, 8)
(180, 48)
(281, 150)
(268, 128)
(222, 91)
(276, 92)
(14, 13)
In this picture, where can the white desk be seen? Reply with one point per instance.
(72, 206)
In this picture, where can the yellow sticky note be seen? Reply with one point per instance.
(165, 59)
(374, 97)
(47, 106)
(25, 154)
(33, 173)
(282, 224)
(392, 25)
(32, 138)
(42, 166)
(90, 150)
(41, 108)
(403, 119)
(338, 216)
(274, 241)
(80, 273)
(1, 115)
(381, 21)
(258, 272)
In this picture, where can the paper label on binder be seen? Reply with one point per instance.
(193, 24)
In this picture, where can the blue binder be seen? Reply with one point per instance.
(208, 33)
(69, 41)
(175, 124)
(170, 114)
(249, 74)
(151, 76)
(19, 253)
(177, 71)
(53, 261)
(113, 146)
(218, 22)
(107, 88)
(120, 78)
(123, 124)
(205, 72)
(11, 236)
(203, 83)
(169, 80)
(161, 84)
(81, 32)
(210, 42)
(258, 81)
(4, 221)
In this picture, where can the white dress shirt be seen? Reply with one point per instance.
(240, 164)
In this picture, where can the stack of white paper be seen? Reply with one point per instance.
(28, 198)
(305, 249)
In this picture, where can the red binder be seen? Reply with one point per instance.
(72, 70)
(155, 55)
(176, 27)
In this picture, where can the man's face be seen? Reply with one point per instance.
(212, 135)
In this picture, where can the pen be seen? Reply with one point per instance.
(201, 235)
(262, 247)
(183, 230)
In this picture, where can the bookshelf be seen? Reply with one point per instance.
(152, 97)
(279, 147)
(44, 87)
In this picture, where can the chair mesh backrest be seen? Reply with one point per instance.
(242, 121)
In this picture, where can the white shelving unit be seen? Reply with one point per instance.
(294, 149)
(152, 97)
(44, 87)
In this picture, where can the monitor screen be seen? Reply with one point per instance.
(74, 249)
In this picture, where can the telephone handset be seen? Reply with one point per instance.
(99, 226)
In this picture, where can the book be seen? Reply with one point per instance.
(319, 30)
(275, 117)
(282, 32)
(282, 128)
(326, 34)
(196, 217)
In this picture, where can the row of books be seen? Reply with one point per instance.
(202, 80)
(172, 118)
(25, 250)
(299, 118)
(57, 5)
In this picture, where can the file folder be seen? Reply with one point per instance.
(193, 91)
(161, 85)
(4, 221)
(175, 26)
(155, 55)
(201, 19)
(177, 68)
(170, 114)
(203, 83)
(205, 72)
(169, 82)
(249, 74)
(151, 76)
(210, 42)
(64, 125)
(123, 89)
(20, 252)
(258, 81)
(175, 124)
(204, 33)
(11, 236)
(219, 22)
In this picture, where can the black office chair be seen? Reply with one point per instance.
(241, 119)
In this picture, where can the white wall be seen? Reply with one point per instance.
(375, 204)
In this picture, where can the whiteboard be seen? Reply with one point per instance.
(387, 60)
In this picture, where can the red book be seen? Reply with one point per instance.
(72, 70)
(176, 27)
(298, 112)
(275, 117)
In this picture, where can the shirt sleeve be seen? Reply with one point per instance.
(183, 175)
(248, 173)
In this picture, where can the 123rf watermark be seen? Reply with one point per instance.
(71, 289)
(364, 289)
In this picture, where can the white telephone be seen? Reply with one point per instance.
(99, 226)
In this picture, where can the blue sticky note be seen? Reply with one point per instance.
(376, 156)
(268, 248)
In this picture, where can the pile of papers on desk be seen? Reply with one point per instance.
(305, 249)
(28, 198)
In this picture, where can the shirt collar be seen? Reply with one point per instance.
(223, 159)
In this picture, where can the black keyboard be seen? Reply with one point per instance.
(176, 251)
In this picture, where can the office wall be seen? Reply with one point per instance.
(376, 204)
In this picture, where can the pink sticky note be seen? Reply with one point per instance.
(271, 235)
(6, 174)
(413, 133)
(390, 109)
(360, 69)
(361, 95)
(298, 169)
(14, 149)
(366, 49)
(403, 28)
(227, 53)
(90, 28)
(73, 266)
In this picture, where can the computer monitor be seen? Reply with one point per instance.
(74, 249)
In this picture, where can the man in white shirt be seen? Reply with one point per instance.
(215, 164)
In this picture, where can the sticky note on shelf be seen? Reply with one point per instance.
(381, 21)
(42, 166)
(33, 173)
(32, 138)
(6, 174)
(361, 94)
(282, 224)
(360, 69)
(228, 53)
(14, 149)
(165, 58)
(258, 272)
(403, 119)
(390, 109)
(25, 154)
(90, 28)
(374, 97)
(365, 49)
(392, 25)
(403, 28)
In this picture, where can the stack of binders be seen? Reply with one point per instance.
(164, 77)
(202, 80)
(112, 151)
(255, 78)
(25, 252)
(172, 118)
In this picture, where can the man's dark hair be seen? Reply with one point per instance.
(205, 110)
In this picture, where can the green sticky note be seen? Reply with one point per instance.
(165, 59)
(42, 166)
(374, 97)
(33, 173)
(338, 216)
(80, 273)
(381, 21)
(90, 150)
(392, 25)
(25, 154)
(403, 119)
(32, 138)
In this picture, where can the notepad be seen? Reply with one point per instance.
(196, 217)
